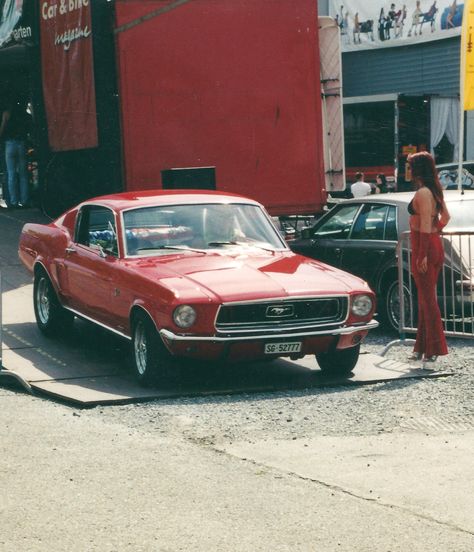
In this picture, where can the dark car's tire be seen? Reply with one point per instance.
(391, 305)
(338, 362)
(150, 358)
(51, 318)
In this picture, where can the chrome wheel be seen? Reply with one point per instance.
(140, 348)
(43, 300)
(393, 305)
(51, 318)
(150, 357)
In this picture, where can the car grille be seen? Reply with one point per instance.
(284, 315)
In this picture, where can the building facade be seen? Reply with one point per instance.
(401, 74)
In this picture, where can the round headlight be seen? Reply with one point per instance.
(362, 305)
(184, 316)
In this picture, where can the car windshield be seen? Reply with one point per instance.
(461, 214)
(164, 229)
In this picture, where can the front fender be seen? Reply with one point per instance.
(385, 275)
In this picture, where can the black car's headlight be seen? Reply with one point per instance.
(184, 316)
(362, 305)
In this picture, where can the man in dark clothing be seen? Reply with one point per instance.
(14, 128)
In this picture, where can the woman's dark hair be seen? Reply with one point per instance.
(423, 167)
(383, 182)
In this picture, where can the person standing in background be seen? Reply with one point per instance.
(428, 216)
(14, 130)
(381, 183)
(360, 188)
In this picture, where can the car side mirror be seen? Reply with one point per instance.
(306, 233)
(99, 248)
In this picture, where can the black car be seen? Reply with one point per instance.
(360, 236)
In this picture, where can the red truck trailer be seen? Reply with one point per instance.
(147, 94)
(233, 86)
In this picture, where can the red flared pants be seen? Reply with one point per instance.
(430, 339)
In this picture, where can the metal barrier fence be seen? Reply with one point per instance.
(455, 285)
(1, 322)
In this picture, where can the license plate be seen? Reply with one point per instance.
(279, 348)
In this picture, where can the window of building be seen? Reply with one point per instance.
(369, 134)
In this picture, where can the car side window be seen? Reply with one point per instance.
(370, 224)
(391, 224)
(338, 223)
(96, 229)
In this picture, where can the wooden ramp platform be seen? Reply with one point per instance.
(91, 367)
(79, 384)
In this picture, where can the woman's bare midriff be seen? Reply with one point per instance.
(415, 223)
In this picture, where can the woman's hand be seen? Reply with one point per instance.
(422, 265)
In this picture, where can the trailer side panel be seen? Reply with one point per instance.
(224, 84)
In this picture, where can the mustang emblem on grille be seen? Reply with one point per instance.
(279, 311)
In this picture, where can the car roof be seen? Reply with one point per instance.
(453, 165)
(403, 198)
(148, 198)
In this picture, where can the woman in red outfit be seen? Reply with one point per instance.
(429, 215)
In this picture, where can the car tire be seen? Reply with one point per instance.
(51, 318)
(391, 303)
(338, 362)
(151, 360)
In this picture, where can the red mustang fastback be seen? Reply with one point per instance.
(191, 274)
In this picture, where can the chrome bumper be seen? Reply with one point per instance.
(170, 336)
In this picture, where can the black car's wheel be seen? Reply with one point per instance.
(51, 318)
(151, 359)
(391, 305)
(338, 362)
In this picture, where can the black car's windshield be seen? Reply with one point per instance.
(162, 230)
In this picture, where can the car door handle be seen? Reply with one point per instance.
(378, 251)
(70, 250)
(337, 251)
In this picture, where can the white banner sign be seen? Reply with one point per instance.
(377, 24)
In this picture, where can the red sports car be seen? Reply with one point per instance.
(192, 274)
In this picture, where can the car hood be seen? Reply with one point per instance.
(227, 277)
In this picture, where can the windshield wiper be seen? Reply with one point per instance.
(176, 247)
(216, 243)
(245, 244)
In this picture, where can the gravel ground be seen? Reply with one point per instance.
(223, 473)
(431, 405)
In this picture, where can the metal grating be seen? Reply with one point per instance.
(411, 70)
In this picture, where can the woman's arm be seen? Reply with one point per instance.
(444, 217)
